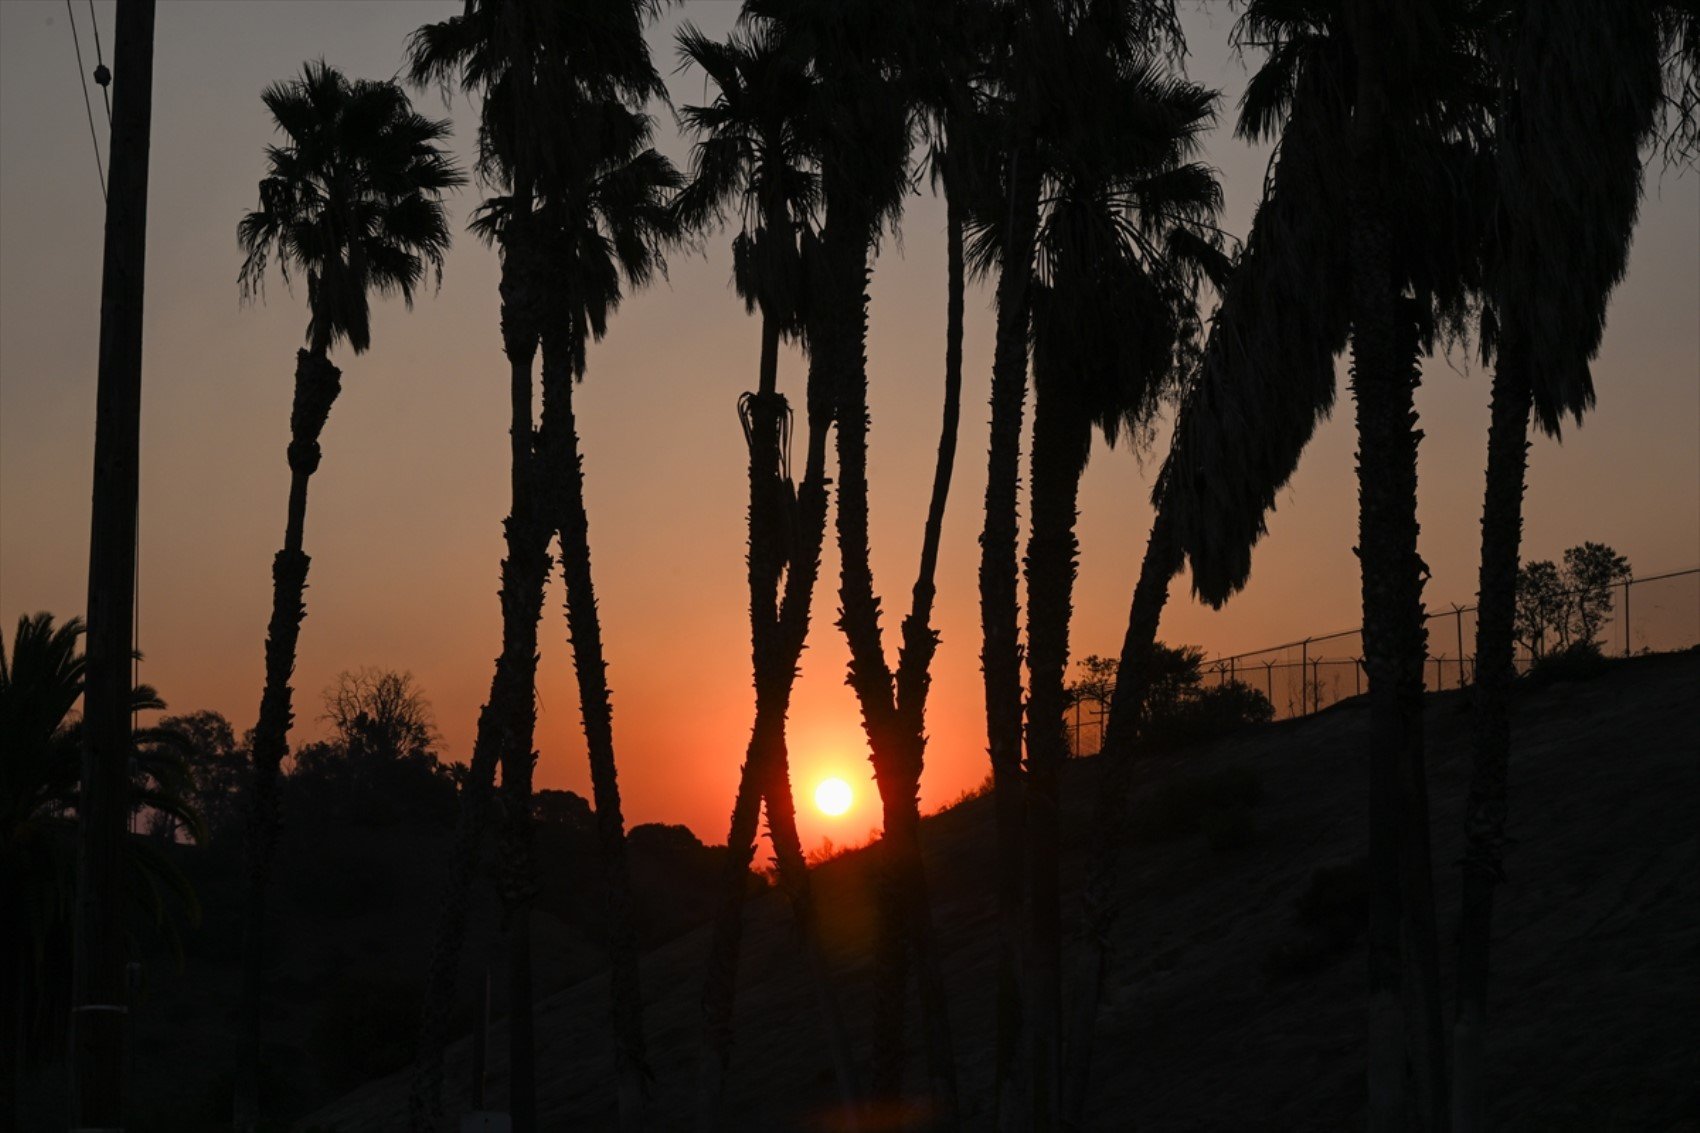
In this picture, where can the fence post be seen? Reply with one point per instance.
(1304, 670)
(1269, 681)
(1458, 612)
(1626, 585)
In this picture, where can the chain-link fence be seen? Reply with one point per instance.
(1657, 614)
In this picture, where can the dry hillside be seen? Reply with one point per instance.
(1229, 1009)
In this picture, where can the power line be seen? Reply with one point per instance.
(102, 76)
(88, 107)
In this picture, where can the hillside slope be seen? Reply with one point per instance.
(1225, 1011)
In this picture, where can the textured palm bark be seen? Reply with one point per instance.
(317, 384)
(1406, 1035)
(524, 570)
(766, 737)
(765, 774)
(843, 352)
(1110, 819)
(914, 680)
(1000, 652)
(1059, 433)
(1484, 824)
(894, 704)
(567, 512)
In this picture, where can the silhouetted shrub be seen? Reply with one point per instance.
(1581, 661)
(1179, 708)
(1332, 914)
(1208, 713)
(563, 808)
(663, 838)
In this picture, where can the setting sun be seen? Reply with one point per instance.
(833, 796)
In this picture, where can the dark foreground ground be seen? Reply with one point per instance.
(1236, 1002)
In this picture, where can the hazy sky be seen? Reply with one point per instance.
(404, 524)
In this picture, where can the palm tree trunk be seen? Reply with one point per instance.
(763, 411)
(841, 346)
(1405, 1026)
(1483, 865)
(1059, 433)
(794, 879)
(766, 775)
(99, 980)
(317, 384)
(1000, 653)
(566, 493)
(914, 669)
(1127, 705)
(502, 722)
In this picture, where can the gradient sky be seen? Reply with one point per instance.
(404, 521)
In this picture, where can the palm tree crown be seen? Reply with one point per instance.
(605, 216)
(752, 159)
(352, 198)
(1125, 236)
(530, 62)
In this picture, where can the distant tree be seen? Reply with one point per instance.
(380, 709)
(217, 765)
(1097, 680)
(1541, 604)
(1590, 573)
(1557, 608)
(1179, 706)
(380, 765)
(1095, 685)
(352, 199)
(565, 808)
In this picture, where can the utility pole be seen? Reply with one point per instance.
(99, 990)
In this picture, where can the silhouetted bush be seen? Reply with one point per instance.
(1581, 661)
(369, 785)
(1332, 914)
(663, 838)
(1179, 708)
(563, 808)
(1208, 713)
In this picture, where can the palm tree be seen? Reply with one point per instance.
(1123, 235)
(41, 679)
(861, 55)
(751, 159)
(1568, 149)
(528, 62)
(1407, 103)
(1028, 81)
(352, 199)
(1264, 381)
(603, 221)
